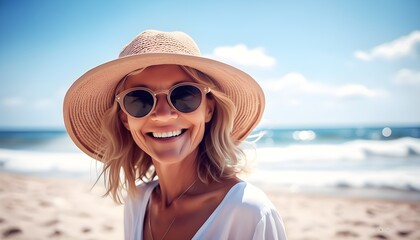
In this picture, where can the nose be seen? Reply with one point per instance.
(163, 110)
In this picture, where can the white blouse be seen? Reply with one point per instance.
(244, 213)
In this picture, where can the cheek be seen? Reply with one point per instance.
(135, 126)
(139, 140)
(199, 120)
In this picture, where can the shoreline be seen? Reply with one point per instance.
(388, 194)
(384, 194)
(36, 207)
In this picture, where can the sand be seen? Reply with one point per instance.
(47, 208)
(54, 208)
(321, 217)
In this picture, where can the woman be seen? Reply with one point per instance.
(165, 116)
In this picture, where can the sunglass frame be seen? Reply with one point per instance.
(120, 96)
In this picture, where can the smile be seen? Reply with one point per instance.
(167, 134)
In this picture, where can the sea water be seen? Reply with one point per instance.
(364, 161)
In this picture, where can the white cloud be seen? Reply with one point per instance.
(296, 84)
(11, 102)
(401, 47)
(355, 90)
(240, 54)
(43, 103)
(407, 77)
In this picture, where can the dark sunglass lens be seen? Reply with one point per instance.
(138, 103)
(186, 98)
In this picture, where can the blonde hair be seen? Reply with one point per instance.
(125, 163)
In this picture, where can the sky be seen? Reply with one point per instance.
(320, 63)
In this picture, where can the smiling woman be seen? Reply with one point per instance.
(171, 121)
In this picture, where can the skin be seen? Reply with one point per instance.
(175, 159)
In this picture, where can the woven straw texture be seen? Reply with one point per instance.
(92, 94)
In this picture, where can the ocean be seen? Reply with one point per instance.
(377, 162)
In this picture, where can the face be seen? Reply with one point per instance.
(167, 135)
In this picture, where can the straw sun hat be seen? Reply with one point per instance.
(93, 93)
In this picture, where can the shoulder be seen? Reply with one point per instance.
(247, 196)
(257, 212)
(143, 191)
(245, 213)
(143, 187)
(247, 203)
(134, 209)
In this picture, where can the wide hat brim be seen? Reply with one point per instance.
(93, 94)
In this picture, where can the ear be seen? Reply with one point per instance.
(209, 109)
(124, 119)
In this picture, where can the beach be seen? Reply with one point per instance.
(55, 208)
(35, 207)
(342, 184)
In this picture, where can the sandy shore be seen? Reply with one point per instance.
(46, 208)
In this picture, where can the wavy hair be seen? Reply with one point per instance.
(125, 163)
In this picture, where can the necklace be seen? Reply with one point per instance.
(173, 220)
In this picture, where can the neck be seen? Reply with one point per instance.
(176, 179)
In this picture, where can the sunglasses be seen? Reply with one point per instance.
(184, 97)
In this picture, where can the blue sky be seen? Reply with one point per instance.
(321, 63)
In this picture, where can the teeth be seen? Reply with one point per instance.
(166, 134)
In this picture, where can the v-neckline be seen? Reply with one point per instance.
(212, 215)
